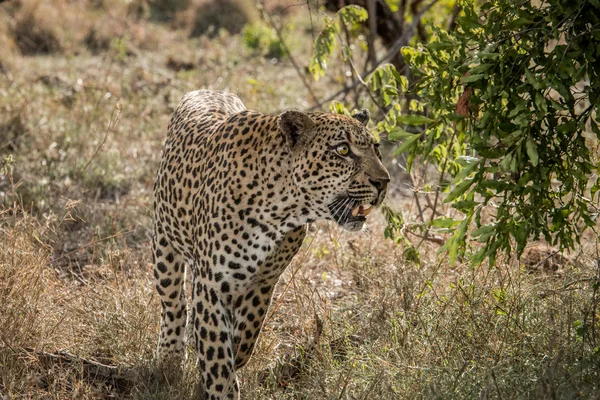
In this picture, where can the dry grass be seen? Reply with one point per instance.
(80, 137)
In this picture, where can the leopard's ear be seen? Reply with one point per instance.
(363, 116)
(296, 126)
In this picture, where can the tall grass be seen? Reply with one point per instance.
(351, 319)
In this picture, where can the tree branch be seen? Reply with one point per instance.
(398, 44)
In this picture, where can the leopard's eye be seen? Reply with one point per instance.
(343, 149)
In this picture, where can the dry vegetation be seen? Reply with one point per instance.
(86, 91)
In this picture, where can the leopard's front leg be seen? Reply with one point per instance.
(213, 337)
(250, 307)
(169, 277)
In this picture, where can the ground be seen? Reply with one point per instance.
(82, 122)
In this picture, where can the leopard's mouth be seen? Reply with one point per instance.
(347, 210)
(362, 210)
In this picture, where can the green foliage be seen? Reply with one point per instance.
(264, 40)
(118, 47)
(211, 17)
(327, 40)
(506, 107)
(393, 231)
(517, 89)
(7, 164)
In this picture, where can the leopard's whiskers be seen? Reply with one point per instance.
(343, 203)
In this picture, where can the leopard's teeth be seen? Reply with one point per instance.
(361, 210)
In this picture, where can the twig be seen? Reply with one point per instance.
(10, 78)
(437, 192)
(430, 205)
(458, 376)
(455, 13)
(418, 203)
(93, 242)
(401, 11)
(111, 125)
(544, 260)
(546, 292)
(415, 192)
(434, 239)
(312, 27)
(398, 44)
(301, 75)
(349, 59)
(7, 74)
(372, 10)
(496, 384)
(576, 281)
(362, 82)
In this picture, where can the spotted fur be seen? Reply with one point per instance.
(234, 192)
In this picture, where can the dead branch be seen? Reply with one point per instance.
(428, 237)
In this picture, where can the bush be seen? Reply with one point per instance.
(165, 10)
(209, 17)
(34, 30)
(506, 106)
(513, 96)
(263, 40)
(103, 33)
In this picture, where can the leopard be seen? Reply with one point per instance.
(234, 193)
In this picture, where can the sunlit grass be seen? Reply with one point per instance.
(84, 128)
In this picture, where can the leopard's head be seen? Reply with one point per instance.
(336, 165)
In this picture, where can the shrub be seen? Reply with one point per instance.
(264, 40)
(165, 10)
(34, 30)
(208, 17)
(505, 105)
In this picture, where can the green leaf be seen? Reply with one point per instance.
(472, 78)
(408, 144)
(459, 190)
(518, 23)
(352, 14)
(414, 119)
(468, 22)
(325, 43)
(484, 232)
(400, 79)
(532, 152)
(480, 68)
(466, 171)
(458, 240)
(488, 54)
(398, 133)
(465, 205)
(595, 128)
(444, 223)
(533, 80)
(440, 45)
(533, 74)
(540, 103)
(506, 162)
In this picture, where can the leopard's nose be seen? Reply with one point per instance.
(380, 183)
